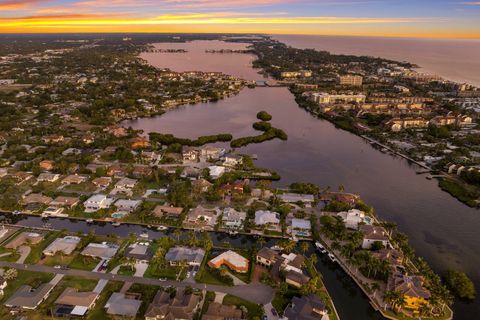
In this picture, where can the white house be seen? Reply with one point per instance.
(97, 202)
(127, 205)
(216, 171)
(264, 217)
(231, 160)
(233, 219)
(300, 227)
(372, 234)
(352, 218)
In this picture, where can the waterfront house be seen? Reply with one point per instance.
(296, 279)
(397, 124)
(141, 251)
(411, 287)
(233, 219)
(66, 245)
(167, 211)
(64, 201)
(185, 256)
(393, 256)
(352, 218)
(102, 250)
(307, 199)
(230, 259)
(211, 153)
(201, 217)
(97, 202)
(306, 308)
(180, 306)
(268, 219)
(127, 205)
(231, 160)
(372, 234)
(300, 227)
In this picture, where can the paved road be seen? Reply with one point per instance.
(258, 293)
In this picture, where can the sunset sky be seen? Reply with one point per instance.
(405, 18)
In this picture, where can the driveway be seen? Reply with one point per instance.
(268, 312)
(257, 293)
(24, 252)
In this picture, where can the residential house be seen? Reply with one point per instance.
(74, 303)
(412, 289)
(102, 182)
(458, 120)
(233, 219)
(64, 201)
(21, 176)
(66, 245)
(97, 202)
(141, 171)
(141, 251)
(232, 160)
(126, 205)
(29, 298)
(296, 279)
(48, 177)
(185, 256)
(201, 217)
(352, 218)
(300, 227)
(307, 199)
(140, 143)
(190, 154)
(211, 153)
(216, 171)
(125, 305)
(125, 185)
(46, 165)
(306, 308)
(268, 219)
(100, 250)
(26, 237)
(230, 259)
(165, 306)
(218, 311)
(116, 170)
(167, 211)
(53, 138)
(267, 257)
(393, 256)
(201, 185)
(3, 172)
(36, 198)
(74, 179)
(372, 234)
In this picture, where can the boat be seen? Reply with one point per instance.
(144, 235)
(332, 257)
(319, 245)
(116, 224)
(161, 228)
(233, 232)
(89, 220)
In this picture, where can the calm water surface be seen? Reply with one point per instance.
(440, 228)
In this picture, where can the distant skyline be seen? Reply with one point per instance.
(395, 18)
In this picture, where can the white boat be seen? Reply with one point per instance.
(143, 235)
(233, 232)
(332, 257)
(319, 245)
(89, 220)
(116, 224)
(161, 228)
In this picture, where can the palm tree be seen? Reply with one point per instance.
(287, 245)
(313, 259)
(304, 247)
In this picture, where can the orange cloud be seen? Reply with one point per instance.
(18, 4)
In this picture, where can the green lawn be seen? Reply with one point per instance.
(12, 257)
(254, 310)
(207, 277)
(98, 312)
(33, 279)
(84, 263)
(59, 259)
(126, 271)
(165, 271)
(36, 253)
(148, 292)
